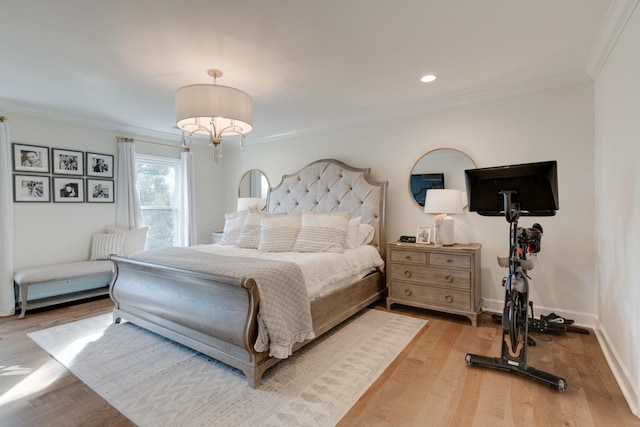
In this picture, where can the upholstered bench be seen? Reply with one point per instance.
(29, 277)
(72, 281)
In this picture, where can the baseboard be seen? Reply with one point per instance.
(626, 383)
(620, 372)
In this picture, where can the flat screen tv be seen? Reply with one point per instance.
(533, 187)
(422, 182)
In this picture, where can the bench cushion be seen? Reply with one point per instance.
(62, 271)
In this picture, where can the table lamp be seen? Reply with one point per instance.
(245, 203)
(442, 203)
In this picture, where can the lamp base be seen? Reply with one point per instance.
(444, 235)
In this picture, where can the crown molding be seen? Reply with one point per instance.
(615, 22)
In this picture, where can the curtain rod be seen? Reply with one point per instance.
(126, 139)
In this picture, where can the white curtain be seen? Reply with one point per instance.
(128, 212)
(7, 301)
(188, 225)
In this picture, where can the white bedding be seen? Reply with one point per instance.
(323, 272)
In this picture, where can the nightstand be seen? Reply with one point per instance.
(442, 278)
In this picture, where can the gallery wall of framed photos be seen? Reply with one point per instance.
(46, 174)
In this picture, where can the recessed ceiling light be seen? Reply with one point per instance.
(428, 78)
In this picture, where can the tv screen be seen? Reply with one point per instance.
(420, 183)
(534, 187)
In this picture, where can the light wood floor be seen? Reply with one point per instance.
(429, 384)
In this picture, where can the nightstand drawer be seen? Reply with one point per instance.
(448, 277)
(461, 261)
(417, 294)
(409, 256)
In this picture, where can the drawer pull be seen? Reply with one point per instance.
(448, 298)
(448, 278)
(407, 257)
(407, 273)
(449, 260)
(408, 292)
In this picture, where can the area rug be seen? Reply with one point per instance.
(156, 382)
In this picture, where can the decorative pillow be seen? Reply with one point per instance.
(278, 233)
(103, 245)
(250, 234)
(322, 232)
(135, 240)
(233, 222)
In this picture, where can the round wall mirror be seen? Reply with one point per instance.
(439, 168)
(254, 183)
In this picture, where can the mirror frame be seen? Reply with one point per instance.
(415, 202)
(246, 174)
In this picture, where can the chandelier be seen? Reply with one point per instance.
(214, 110)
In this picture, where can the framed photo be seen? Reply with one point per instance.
(67, 162)
(30, 158)
(423, 235)
(100, 190)
(31, 188)
(68, 190)
(100, 165)
(420, 183)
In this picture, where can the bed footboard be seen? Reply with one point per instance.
(214, 315)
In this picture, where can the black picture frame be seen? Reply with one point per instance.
(421, 182)
(100, 165)
(30, 158)
(68, 190)
(31, 188)
(67, 162)
(100, 190)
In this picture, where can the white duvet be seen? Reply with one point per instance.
(323, 272)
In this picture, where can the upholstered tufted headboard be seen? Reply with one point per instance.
(331, 186)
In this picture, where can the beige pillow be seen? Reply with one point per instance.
(135, 239)
(103, 245)
(250, 234)
(278, 232)
(322, 232)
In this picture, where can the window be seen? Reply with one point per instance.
(160, 187)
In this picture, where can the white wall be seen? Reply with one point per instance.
(549, 125)
(47, 233)
(617, 189)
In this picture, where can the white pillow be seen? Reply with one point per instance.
(278, 232)
(352, 233)
(365, 234)
(233, 222)
(135, 240)
(250, 234)
(103, 245)
(359, 235)
(322, 232)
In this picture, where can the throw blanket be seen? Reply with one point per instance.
(284, 316)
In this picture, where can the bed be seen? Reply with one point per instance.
(180, 294)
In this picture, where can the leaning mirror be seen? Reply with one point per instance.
(254, 183)
(439, 168)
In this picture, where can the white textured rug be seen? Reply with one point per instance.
(156, 382)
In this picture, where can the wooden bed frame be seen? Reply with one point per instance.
(217, 315)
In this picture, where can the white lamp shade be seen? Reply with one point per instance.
(439, 201)
(198, 104)
(245, 203)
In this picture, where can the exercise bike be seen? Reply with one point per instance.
(517, 309)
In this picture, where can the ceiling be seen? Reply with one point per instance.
(309, 65)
